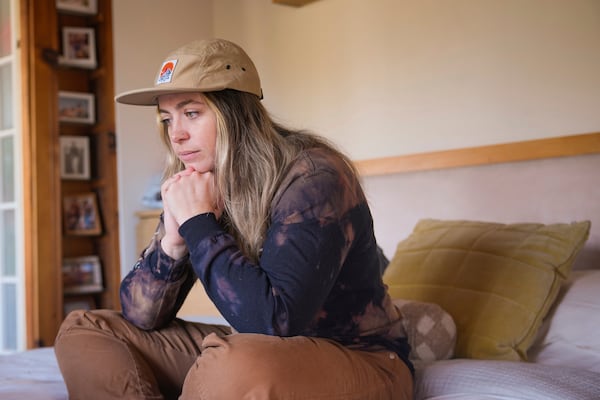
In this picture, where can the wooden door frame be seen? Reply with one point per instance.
(41, 191)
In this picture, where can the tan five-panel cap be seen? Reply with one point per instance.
(200, 66)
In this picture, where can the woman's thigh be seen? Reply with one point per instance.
(252, 366)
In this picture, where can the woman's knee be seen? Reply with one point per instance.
(73, 318)
(80, 330)
(232, 367)
(238, 352)
(73, 321)
(100, 319)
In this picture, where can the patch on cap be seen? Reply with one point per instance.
(166, 72)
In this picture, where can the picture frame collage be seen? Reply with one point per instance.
(84, 7)
(78, 51)
(82, 280)
(81, 215)
(75, 157)
(82, 276)
(79, 47)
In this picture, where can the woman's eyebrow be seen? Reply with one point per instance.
(180, 105)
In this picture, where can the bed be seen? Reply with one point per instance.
(31, 375)
(530, 333)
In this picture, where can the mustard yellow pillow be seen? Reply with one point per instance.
(497, 281)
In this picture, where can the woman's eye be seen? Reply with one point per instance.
(165, 121)
(191, 114)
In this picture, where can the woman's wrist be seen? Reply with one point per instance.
(174, 249)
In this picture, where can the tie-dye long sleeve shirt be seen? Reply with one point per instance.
(319, 273)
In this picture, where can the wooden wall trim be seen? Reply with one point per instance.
(587, 143)
(29, 241)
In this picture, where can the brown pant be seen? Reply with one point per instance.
(102, 356)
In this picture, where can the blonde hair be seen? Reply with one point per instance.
(253, 154)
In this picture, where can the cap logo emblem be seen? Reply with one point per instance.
(166, 72)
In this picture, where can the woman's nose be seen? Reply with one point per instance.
(177, 132)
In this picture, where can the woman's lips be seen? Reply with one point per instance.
(187, 156)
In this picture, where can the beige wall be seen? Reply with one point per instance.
(390, 77)
(379, 77)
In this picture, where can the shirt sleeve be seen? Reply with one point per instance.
(300, 260)
(154, 290)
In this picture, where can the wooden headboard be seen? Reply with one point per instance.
(588, 143)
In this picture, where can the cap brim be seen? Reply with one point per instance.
(149, 96)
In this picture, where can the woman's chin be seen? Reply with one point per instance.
(202, 168)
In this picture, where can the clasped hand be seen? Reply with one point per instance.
(185, 195)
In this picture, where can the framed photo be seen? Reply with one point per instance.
(81, 216)
(79, 47)
(74, 157)
(76, 107)
(82, 275)
(73, 303)
(77, 6)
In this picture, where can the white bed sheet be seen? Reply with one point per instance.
(467, 379)
(31, 375)
(466, 396)
(34, 375)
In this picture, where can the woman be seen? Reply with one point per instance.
(275, 225)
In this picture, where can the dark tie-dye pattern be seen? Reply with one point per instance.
(319, 273)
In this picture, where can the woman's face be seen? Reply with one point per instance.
(192, 128)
